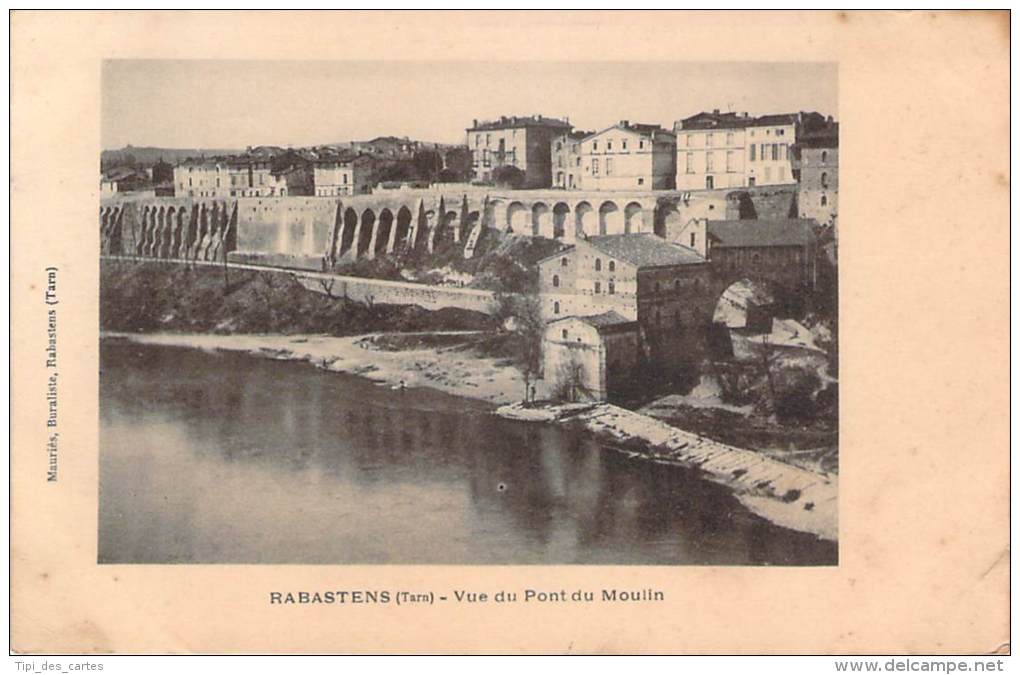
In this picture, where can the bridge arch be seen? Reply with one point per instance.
(384, 231)
(170, 236)
(746, 302)
(184, 232)
(365, 231)
(403, 229)
(633, 216)
(541, 220)
(584, 220)
(350, 224)
(610, 218)
(560, 214)
(447, 223)
(517, 217)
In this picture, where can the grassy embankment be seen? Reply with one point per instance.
(144, 297)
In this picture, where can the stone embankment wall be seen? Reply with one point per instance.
(321, 232)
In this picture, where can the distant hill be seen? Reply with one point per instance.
(148, 155)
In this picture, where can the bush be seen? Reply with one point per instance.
(509, 177)
(794, 392)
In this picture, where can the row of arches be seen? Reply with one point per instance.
(368, 233)
(191, 232)
(560, 221)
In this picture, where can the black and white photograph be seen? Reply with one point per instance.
(468, 313)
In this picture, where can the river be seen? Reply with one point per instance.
(218, 457)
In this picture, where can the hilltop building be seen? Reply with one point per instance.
(520, 142)
(342, 172)
(566, 159)
(629, 156)
(817, 163)
(727, 150)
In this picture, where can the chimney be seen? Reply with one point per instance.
(715, 111)
(624, 123)
(474, 124)
(829, 119)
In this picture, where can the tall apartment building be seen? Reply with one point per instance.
(521, 142)
(629, 156)
(728, 150)
(342, 172)
(817, 163)
(566, 159)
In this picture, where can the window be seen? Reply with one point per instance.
(595, 167)
(594, 146)
(690, 162)
(694, 240)
(641, 145)
(563, 262)
(609, 146)
(729, 138)
(658, 287)
(578, 162)
(640, 181)
(775, 152)
(825, 201)
(825, 156)
(690, 137)
(565, 333)
(783, 151)
(780, 132)
(487, 139)
(609, 166)
(729, 162)
(556, 308)
(478, 140)
(624, 144)
(559, 146)
(753, 147)
(708, 140)
(598, 288)
(598, 264)
(709, 161)
(676, 282)
(825, 180)
(556, 281)
(612, 287)
(612, 265)
(344, 179)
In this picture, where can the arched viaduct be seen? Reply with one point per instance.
(323, 232)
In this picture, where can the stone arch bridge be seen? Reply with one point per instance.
(323, 232)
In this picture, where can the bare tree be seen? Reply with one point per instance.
(327, 287)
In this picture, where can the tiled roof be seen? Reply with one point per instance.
(515, 122)
(603, 321)
(708, 120)
(645, 250)
(760, 233)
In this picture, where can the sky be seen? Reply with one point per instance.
(234, 104)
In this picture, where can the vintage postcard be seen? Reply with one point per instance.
(484, 322)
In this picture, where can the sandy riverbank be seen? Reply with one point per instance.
(785, 494)
(451, 370)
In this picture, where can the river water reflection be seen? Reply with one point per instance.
(228, 458)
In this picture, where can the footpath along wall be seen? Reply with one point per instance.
(382, 292)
